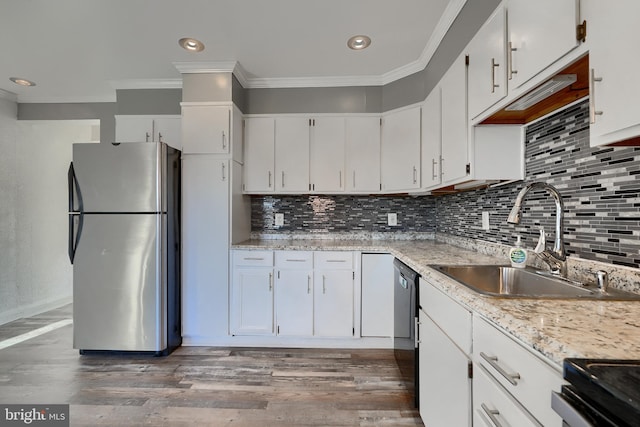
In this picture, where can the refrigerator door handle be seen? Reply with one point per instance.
(74, 188)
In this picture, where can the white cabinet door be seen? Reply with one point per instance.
(134, 129)
(540, 32)
(168, 130)
(205, 129)
(333, 303)
(294, 302)
(401, 150)
(445, 386)
(205, 246)
(431, 139)
(362, 155)
(327, 154)
(259, 158)
(613, 34)
(292, 155)
(454, 122)
(252, 301)
(377, 295)
(487, 64)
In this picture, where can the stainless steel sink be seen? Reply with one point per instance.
(509, 282)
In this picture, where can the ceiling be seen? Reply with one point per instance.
(81, 50)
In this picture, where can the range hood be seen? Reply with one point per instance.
(569, 85)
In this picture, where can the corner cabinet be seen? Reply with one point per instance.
(400, 158)
(613, 35)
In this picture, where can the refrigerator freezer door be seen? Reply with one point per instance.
(119, 178)
(119, 294)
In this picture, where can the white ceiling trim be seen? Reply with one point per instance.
(205, 67)
(5, 94)
(146, 84)
(66, 100)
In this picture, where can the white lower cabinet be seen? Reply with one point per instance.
(304, 294)
(444, 333)
(294, 293)
(252, 293)
(517, 375)
(334, 279)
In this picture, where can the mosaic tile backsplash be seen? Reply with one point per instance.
(600, 188)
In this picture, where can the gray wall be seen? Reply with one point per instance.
(103, 111)
(148, 101)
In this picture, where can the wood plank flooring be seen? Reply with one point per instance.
(204, 386)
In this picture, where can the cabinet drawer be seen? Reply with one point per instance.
(253, 258)
(494, 406)
(294, 259)
(520, 372)
(333, 260)
(451, 317)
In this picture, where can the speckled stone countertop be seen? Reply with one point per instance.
(554, 328)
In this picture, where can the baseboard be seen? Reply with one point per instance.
(288, 342)
(33, 309)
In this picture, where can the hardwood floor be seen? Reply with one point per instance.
(204, 386)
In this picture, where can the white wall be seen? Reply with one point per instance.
(35, 271)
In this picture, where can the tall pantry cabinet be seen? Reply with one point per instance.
(214, 214)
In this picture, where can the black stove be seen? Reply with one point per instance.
(602, 392)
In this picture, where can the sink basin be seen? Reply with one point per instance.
(509, 282)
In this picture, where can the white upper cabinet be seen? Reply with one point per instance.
(431, 139)
(327, 154)
(613, 34)
(454, 122)
(292, 155)
(400, 159)
(488, 64)
(540, 32)
(149, 129)
(362, 154)
(259, 156)
(205, 129)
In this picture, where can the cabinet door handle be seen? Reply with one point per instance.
(270, 281)
(592, 96)
(146, 137)
(491, 413)
(269, 179)
(324, 284)
(340, 179)
(354, 178)
(336, 260)
(282, 179)
(224, 175)
(441, 167)
(510, 69)
(308, 284)
(224, 141)
(493, 361)
(159, 137)
(433, 169)
(253, 259)
(493, 75)
(415, 175)
(295, 260)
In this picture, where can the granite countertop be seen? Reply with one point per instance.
(556, 329)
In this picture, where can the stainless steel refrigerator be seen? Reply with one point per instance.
(124, 243)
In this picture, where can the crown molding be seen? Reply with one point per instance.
(205, 67)
(146, 84)
(297, 82)
(31, 99)
(5, 94)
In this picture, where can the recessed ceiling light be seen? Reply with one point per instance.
(192, 45)
(359, 42)
(22, 82)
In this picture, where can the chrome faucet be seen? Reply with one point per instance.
(557, 257)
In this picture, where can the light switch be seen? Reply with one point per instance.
(392, 219)
(279, 220)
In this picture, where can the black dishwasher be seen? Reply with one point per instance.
(405, 311)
